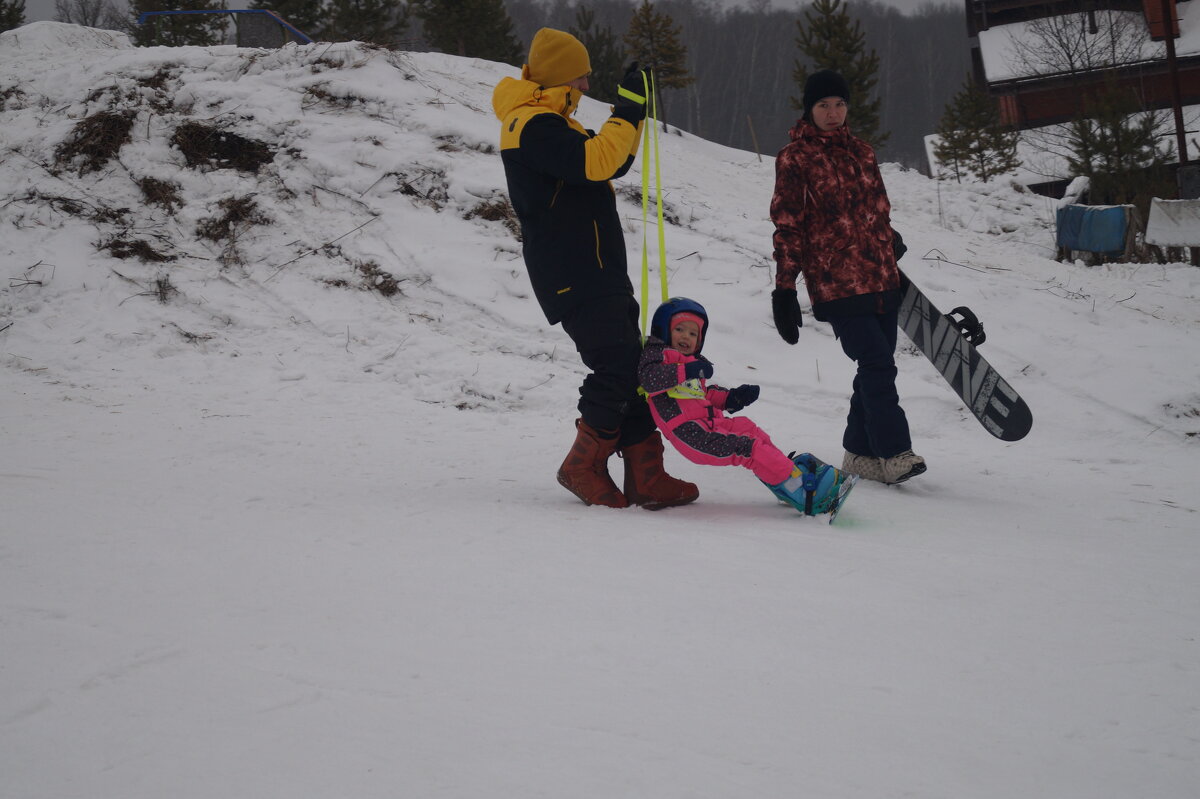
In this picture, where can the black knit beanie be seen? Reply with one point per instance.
(820, 85)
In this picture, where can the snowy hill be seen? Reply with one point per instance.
(281, 422)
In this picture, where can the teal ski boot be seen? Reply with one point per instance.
(814, 486)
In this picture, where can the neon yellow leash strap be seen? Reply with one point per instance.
(662, 243)
(645, 200)
(628, 95)
(650, 154)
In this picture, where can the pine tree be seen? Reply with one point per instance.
(12, 14)
(605, 53)
(380, 22)
(653, 40)
(1115, 144)
(177, 30)
(472, 28)
(307, 16)
(972, 137)
(830, 40)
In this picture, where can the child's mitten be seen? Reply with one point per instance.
(698, 368)
(740, 397)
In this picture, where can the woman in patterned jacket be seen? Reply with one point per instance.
(833, 225)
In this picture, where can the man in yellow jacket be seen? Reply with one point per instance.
(558, 181)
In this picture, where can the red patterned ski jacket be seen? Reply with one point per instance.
(833, 223)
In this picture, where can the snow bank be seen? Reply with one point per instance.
(41, 37)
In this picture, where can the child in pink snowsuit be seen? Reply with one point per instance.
(690, 412)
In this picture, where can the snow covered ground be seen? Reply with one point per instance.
(279, 515)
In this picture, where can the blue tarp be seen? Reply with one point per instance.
(1092, 228)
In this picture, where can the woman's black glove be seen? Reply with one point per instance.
(898, 245)
(700, 367)
(785, 307)
(740, 397)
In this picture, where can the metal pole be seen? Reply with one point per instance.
(1173, 73)
(754, 137)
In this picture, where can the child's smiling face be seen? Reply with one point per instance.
(685, 334)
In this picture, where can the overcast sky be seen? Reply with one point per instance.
(44, 9)
(38, 10)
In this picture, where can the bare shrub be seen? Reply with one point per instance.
(377, 279)
(163, 289)
(159, 85)
(203, 145)
(450, 143)
(192, 338)
(135, 248)
(73, 206)
(498, 209)
(425, 184)
(11, 94)
(319, 93)
(634, 194)
(95, 140)
(161, 193)
(237, 213)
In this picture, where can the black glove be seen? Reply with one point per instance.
(786, 310)
(898, 245)
(740, 397)
(631, 95)
(698, 368)
(969, 325)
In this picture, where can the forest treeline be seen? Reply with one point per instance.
(743, 58)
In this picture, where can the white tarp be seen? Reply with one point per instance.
(1174, 223)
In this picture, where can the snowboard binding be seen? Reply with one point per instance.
(969, 325)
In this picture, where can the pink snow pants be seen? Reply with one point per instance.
(730, 441)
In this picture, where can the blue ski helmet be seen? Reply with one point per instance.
(660, 323)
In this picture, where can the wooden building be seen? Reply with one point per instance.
(1055, 93)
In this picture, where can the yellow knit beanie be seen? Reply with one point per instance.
(556, 57)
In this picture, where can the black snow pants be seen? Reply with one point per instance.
(876, 424)
(606, 334)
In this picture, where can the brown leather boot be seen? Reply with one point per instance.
(585, 471)
(646, 480)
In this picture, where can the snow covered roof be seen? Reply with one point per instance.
(999, 49)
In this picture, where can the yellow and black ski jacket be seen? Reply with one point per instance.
(558, 181)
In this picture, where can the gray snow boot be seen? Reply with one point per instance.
(868, 467)
(899, 468)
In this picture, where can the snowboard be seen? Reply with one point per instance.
(843, 491)
(993, 401)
